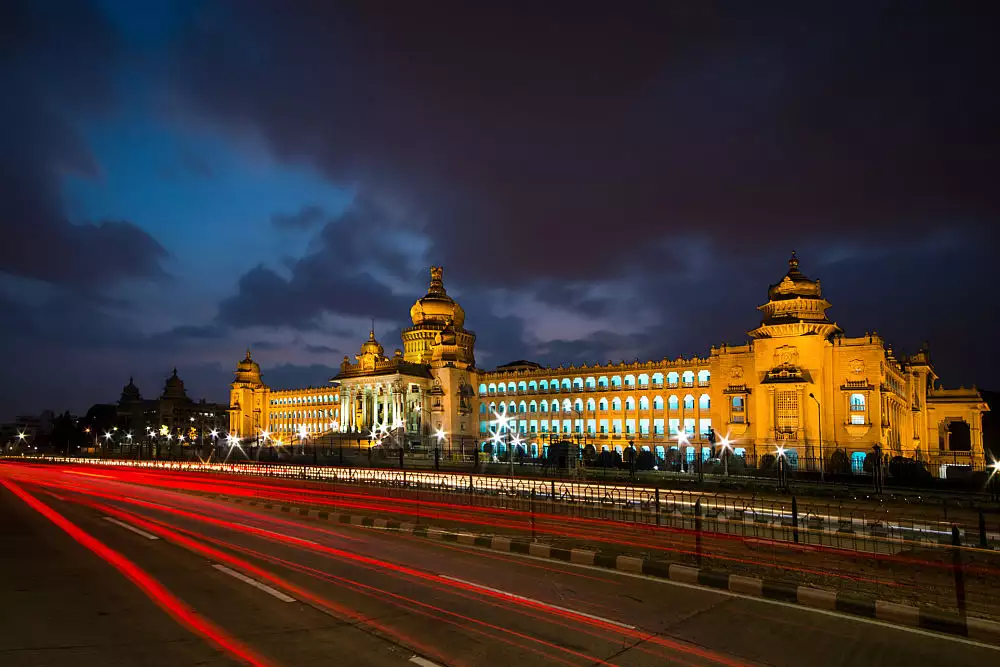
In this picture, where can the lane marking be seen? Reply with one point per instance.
(137, 531)
(754, 598)
(546, 604)
(271, 532)
(89, 474)
(423, 662)
(253, 582)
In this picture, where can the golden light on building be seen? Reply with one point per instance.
(799, 385)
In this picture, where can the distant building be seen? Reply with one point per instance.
(799, 382)
(173, 412)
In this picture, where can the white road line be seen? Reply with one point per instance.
(521, 597)
(253, 582)
(148, 536)
(423, 662)
(271, 532)
(777, 603)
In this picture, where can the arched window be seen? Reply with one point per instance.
(704, 402)
(672, 402)
(603, 404)
(502, 409)
(688, 378)
(482, 388)
(577, 384)
(657, 379)
(578, 405)
(511, 387)
(501, 388)
(643, 403)
(657, 402)
(672, 378)
(533, 407)
(555, 406)
(602, 381)
(688, 402)
(643, 380)
(554, 385)
(616, 403)
(616, 381)
(522, 386)
(566, 406)
(629, 380)
(493, 408)
(590, 383)
(482, 408)
(513, 408)
(543, 385)
(590, 405)
(566, 384)
(703, 377)
(532, 386)
(857, 402)
(523, 407)
(544, 406)
(630, 403)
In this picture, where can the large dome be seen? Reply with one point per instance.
(436, 306)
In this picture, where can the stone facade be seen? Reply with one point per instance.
(799, 383)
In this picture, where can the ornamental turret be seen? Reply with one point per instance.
(795, 307)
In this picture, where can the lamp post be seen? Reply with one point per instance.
(440, 435)
(782, 482)
(819, 425)
(726, 445)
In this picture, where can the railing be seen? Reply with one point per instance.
(905, 555)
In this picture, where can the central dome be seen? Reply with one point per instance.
(436, 306)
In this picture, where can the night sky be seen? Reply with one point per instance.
(181, 180)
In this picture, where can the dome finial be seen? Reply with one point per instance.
(248, 354)
(793, 263)
(437, 280)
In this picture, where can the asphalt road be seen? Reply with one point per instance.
(227, 584)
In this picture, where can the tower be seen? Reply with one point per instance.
(248, 400)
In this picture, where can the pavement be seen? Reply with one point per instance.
(282, 589)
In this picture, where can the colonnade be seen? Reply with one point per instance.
(373, 406)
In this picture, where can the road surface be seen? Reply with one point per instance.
(82, 581)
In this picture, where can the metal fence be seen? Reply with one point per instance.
(914, 554)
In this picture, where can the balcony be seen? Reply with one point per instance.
(704, 383)
(687, 385)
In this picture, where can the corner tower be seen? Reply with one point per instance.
(248, 400)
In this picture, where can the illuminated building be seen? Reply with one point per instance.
(797, 373)
(421, 393)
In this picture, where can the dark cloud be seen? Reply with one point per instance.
(322, 349)
(56, 70)
(291, 376)
(196, 164)
(555, 137)
(306, 218)
(342, 274)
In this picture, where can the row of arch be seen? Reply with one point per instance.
(303, 414)
(673, 403)
(306, 400)
(673, 379)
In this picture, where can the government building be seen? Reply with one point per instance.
(799, 383)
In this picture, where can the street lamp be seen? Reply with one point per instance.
(440, 435)
(726, 445)
(819, 424)
(780, 451)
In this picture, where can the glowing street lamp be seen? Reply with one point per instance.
(726, 445)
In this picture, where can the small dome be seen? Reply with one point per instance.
(174, 387)
(248, 370)
(794, 284)
(372, 346)
(130, 393)
(436, 306)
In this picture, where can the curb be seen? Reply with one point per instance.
(818, 598)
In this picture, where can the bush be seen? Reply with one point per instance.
(609, 459)
(839, 463)
(645, 460)
(768, 461)
(589, 453)
(908, 471)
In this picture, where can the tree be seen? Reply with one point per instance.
(768, 461)
(65, 435)
(839, 463)
(908, 471)
(645, 460)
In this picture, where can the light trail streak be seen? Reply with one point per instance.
(154, 590)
